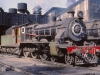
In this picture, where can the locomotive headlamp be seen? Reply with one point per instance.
(80, 14)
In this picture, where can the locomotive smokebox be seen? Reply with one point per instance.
(22, 7)
(13, 10)
(71, 13)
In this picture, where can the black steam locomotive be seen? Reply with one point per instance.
(93, 32)
(60, 39)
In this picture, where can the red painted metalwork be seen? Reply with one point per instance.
(90, 49)
(32, 34)
(18, 41)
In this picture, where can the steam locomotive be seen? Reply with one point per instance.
(93, 34)
(60, 39)
(93, 31)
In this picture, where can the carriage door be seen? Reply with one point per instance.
(16, 33)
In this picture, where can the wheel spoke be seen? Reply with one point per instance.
(26, 54)
(33, 55)
(44, 56)
(68, 59)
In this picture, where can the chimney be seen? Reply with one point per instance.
(70, 13)
(37, 10)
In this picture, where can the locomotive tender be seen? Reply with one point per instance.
(60, 39)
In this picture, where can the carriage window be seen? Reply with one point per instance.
(13, 33)
(23, 29)
(18, 31)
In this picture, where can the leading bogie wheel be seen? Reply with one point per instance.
(68, 59)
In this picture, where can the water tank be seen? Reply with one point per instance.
(12, 10)
(22, 7)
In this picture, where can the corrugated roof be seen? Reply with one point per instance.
(54, 8)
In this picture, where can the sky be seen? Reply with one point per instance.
(45, 4)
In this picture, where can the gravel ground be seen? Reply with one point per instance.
(10, 73)
(39, 68)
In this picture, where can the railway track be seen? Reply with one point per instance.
(58, 64)
(54, 64)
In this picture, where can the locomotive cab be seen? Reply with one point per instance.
(11, 38)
